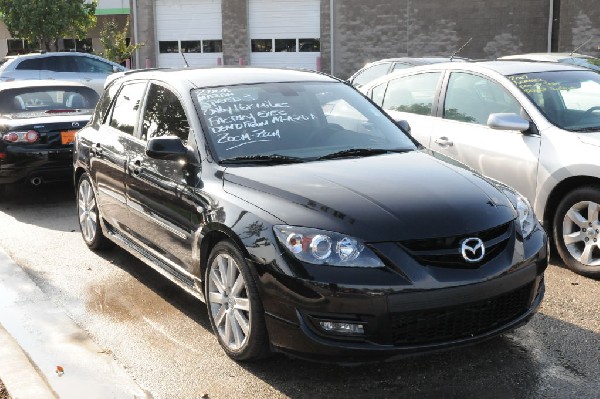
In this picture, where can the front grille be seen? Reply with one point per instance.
(445, 252)
(456, 322)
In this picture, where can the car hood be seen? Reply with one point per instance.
(379, 198)
(590, 138)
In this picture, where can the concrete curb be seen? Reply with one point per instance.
(36, 337)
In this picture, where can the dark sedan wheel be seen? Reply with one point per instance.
(89, 216)
(577, 230)
(234, 309)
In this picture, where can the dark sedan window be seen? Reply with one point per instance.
(414, 93)
(127, 105)
(164, 115)
(303, 120)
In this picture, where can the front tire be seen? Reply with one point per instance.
(89, 215)
(577, 230)
(234, 307)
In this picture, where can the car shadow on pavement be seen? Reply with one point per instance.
(516, 365)
(19, 200)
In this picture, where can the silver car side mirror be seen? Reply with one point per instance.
(507, 122)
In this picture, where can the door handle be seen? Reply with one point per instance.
(135, 166)
(96, 149)
(444, 142)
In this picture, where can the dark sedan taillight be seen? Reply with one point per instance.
(30, 136)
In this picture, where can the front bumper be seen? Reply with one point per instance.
(400, 320)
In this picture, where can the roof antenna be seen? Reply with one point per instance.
(460, 49)
(184, 60)
(580, 46)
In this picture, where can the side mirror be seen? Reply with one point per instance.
(508, 122)
(116, 69)
(169, 148)
(403, 124)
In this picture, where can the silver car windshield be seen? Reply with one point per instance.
(299, 120)
(569, 99)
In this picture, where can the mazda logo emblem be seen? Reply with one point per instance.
(75, 124)
(472, 249)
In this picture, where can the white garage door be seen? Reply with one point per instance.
(193, 27)
(284, 33)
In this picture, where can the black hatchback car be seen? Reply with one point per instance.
(38, 121)
(306, 219)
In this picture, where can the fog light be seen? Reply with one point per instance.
(342, 327)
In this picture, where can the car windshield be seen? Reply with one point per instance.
(590, 63)
(48, 100)
(569, 99)
(296, 121)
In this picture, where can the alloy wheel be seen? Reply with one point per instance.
(88, 211)
(229, 302)
(581, 232)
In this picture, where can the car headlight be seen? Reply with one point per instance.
(526, 220)
(525, 216)
(321, 247)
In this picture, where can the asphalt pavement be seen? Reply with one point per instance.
(45, 354)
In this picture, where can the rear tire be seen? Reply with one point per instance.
(577, 230)
(89, 215)
(234, 307)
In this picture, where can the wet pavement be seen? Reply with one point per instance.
(162, 337)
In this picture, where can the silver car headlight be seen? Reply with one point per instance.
(321, 247)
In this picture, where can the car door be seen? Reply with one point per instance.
(110, 150)
(462, 132)
(411, 98)
(159, 196)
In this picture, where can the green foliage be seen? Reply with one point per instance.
(45, 21)
(115, 42)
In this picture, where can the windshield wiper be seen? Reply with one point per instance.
(362, 152)
(267, 159)
(587, 129)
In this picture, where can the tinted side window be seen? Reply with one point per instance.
(164, 115)
(414, 93)
(370, 74)
(60, 64)
(127, 104)
(92, 65)
(472, 98)
(31, 64)
(102, 109)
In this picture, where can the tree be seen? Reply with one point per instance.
(46, 21)
(115, 42)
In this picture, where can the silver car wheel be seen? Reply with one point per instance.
(581, 232)
(228, 302)
(88, 211)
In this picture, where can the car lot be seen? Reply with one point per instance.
(163, 337)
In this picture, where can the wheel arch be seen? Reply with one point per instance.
(559, 192)
(211, 238)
